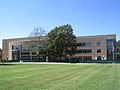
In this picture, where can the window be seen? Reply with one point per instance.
(84, 51)
(12, 47)
(98, 50)
(79, 44)
(98, 43)
(87, 44)
(78, 51)
(87, 51)
(16, 47)
(41, 45)
(25, 48)
(110, 48)
(84, 44)
(86, 58)
(98, 57)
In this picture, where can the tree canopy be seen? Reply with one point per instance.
(61, 42)
(118, 49)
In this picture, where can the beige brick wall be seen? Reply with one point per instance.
(7, 45)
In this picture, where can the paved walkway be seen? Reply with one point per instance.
(56, 63)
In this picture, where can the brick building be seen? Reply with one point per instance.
(88, 47)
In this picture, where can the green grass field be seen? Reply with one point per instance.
(60, 77)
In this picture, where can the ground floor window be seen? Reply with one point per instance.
(98, 57)
(85, 58)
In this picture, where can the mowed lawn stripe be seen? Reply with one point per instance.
(72, 82)
(14, 80)
(106, 79)
(23, 72)
(60, 77)
(41, 76)
(16, 75)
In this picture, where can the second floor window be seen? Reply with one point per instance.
(98, 43)
(84, 44)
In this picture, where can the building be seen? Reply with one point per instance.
(0, 54)
(17, 48)
(88, 47)
(96, 47)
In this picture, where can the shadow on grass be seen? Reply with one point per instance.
(4, 64)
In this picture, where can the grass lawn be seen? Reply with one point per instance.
(60, 77)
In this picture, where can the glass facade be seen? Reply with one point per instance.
(16, 51)
(22, 52)
(110, 48)
(25, 48)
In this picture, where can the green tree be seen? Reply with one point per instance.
(118, 49)
(61, 42)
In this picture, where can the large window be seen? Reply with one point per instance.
(16, 52)
(87, 44)
(78, 51)
(16, 47)
(25, 48)
(84, 51)
(110, 48)
(84, 44)
(79, 44)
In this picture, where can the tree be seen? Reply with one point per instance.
(118, 49)
(37, 42)
(61, 42)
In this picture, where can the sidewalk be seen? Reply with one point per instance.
(55, 63)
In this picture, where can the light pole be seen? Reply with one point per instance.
(113, 50)
(20, 51)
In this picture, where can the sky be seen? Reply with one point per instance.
(87, 17)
